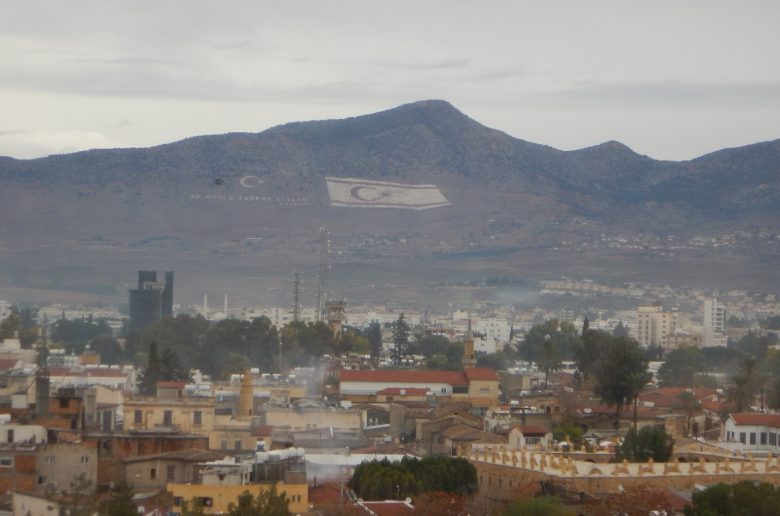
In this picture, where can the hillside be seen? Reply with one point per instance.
(220, 209)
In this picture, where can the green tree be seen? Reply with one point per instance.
(152, 374)
(549, 343)
(568, 429)
(81, 498)
(267, 503)
(10, 325)
(681, 367)
(540, 506)
(621, 330)
(374, 335)
(689, 405)
(74, 335)
(121, 502)
(592, 344)
(650, 442)
(171, 368)
(740, 499)
(400, 340)
(620, 373)
(742, 391)
(108, 348)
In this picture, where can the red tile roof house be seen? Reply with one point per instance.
(752, 432)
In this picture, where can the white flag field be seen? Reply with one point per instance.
(362, 193)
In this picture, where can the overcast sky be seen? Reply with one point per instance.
(673, 80)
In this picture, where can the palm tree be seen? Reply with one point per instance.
(742, 390)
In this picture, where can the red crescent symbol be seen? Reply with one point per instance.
(355, 193)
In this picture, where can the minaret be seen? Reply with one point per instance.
(206, 306)
(245, 395)
(469, 357)
(225, 309)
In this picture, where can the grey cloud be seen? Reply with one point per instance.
(672, 93)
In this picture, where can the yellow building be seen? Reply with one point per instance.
(217, 498)
(655, 326)
(170, 409)
(223, 481)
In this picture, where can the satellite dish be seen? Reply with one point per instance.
(141, 509)
(408, 500)
(397, 440)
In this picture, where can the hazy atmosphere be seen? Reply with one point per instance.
(671, 80)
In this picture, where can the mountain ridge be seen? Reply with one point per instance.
(191, 199)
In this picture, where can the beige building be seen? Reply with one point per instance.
(170, 410)
(301, 418)
(59, 463)
(157, 470)
(655, 326)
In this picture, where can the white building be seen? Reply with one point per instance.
(714, 333)
(753, 431)
(654, 326)
(495, 329)
(5, 309)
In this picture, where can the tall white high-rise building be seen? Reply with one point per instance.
(714, 323)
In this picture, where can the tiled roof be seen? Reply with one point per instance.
(7, 363)
(171, 385)
(481, 374)
(404, 376)
(714, 406)
(748, 418)
(262, 430)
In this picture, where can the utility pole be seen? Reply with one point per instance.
(297, 282)
(323, 276)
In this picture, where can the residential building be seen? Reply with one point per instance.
(655, 325)
(223, 481)
(753, 432)
(714, 323)
(171, 410)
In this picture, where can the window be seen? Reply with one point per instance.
(167, 418)
(197, 417)
(85, 459)
(223, 444)
(237, 444)
(773, 439)
(170, 473)
(6, 461)
(484, 390)
(763, 438)
(153, 473)
(10, 436)
(177, 501)
(533, 440)
(41, 479)
(752, 438)
(138, 417)
(49, 460)
(742, 438)
(64, 403)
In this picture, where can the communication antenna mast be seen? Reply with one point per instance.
(323, 294)
(297, 296)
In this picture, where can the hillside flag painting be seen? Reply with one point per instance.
(363, 193)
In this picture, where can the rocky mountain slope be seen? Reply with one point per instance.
(225, 207)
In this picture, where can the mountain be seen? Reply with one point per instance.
(224, 208)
